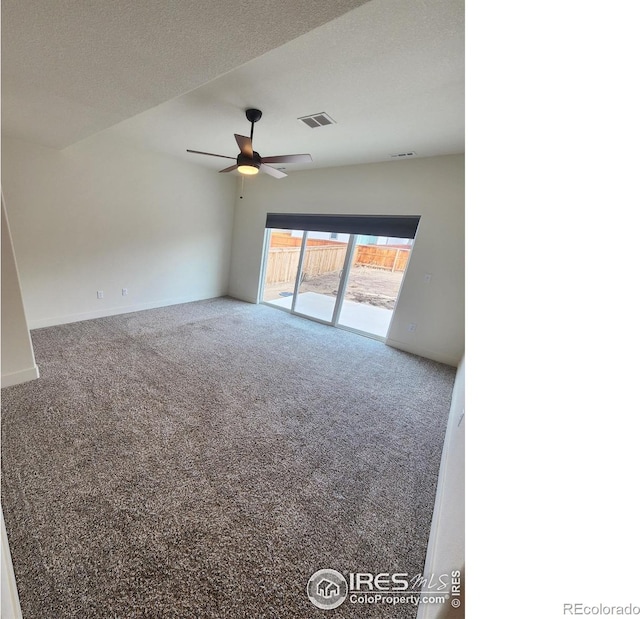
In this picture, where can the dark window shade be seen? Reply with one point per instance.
(401, 226)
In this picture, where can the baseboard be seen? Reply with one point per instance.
(241, 297)
(424, 352)
(22, 376)
(10, 600)
(113, 311)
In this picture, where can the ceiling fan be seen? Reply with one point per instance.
(249, 161)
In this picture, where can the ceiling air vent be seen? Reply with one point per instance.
(403, 155)
(317, 120)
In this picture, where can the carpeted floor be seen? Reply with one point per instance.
(203, 460)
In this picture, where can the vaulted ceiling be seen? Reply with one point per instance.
(170, 75)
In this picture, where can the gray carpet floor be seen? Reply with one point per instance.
(203, 460)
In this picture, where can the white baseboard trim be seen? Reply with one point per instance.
(423, 352)
(21, 376)
(10, 600)
(113, 311)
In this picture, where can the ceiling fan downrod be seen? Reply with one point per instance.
(253, 116)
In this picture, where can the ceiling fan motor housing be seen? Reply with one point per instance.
(254, 161)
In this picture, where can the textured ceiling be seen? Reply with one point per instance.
(73, 67)
(390, 73)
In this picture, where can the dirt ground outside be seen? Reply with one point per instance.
(375, 287)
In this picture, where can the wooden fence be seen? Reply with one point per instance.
(282, 263)
(381, 257)
(282, 239)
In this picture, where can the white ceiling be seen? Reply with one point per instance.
(390, 73)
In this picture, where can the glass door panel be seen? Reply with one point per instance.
(373, 283)
(322, 265)
(281, 268)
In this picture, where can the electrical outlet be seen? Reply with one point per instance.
(412, 327)
(427, 278)
(125, 292)
(100, 294)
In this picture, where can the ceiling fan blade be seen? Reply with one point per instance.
(245, 145)
(288, 159)
(272, 171)
(199, 152)
(231, 168)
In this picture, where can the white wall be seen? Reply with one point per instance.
(18, 363)
(102, 215)
(9, 598)
(430, 187)
(446, 541)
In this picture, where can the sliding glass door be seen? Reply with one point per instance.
(373, 284)
(280, 269)
(323, 260)
(343, 279)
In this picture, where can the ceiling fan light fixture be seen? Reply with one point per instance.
(248, 165)
(248, 168)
